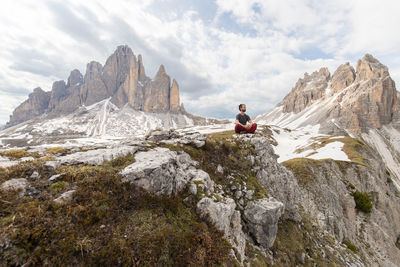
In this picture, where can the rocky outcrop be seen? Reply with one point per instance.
(376, 98)
(306, 91)
(342, 78)
(157, 93)
(226, 219)
(174, 97)
(277, 179)
(96, 157)
(94, 88)
(72, 98)
(58, 92)
(122, 79)
(355, 100)
(165, 172)
(126, 78)
(36, 105)
(75, 78)
(262, 216)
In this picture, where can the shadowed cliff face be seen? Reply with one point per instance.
(122, 78)
(35, 105)
(361, 99)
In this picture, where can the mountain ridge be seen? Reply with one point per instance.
(122, 78)
(359, 99)
(361, 103)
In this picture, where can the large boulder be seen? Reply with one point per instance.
(262, 218)
(162, 171)
(226, 219)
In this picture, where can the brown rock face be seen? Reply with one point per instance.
(58, 92)
(75, 78)
(375, 100)
(130, 89)
(174, 97)
(366, 98)
(369, 67)
(123, 79)
(36, 105)
(311, 87)
(157, 93)
(343, 77)
(94, 89)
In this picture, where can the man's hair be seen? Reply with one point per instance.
(240, 106)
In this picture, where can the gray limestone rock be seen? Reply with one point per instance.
(166, 172)
(96, 156)
(262, 217)
(277, 179)
(226, 219)
(65, 197)
(20, 185)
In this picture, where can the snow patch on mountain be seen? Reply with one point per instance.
(102, 120)
(303, 143)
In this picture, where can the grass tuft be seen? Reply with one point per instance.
(363, 201)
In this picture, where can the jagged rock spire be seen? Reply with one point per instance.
(123, 78)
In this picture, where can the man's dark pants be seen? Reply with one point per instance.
(239, 128)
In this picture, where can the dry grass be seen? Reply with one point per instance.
(15, 154)
(302, 169)
(108, 223)
(59, 151)
(351, 146)
(233, 155)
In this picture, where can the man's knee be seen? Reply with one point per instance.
(238, 128)
(253, 128)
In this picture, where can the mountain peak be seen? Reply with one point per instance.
(368, 67)
(307, 90)
(355, 100)
(38, 90)
(161, 70)
(342, 77)
(75, 78)
(124, 50)
(369, 58)
(122, 78)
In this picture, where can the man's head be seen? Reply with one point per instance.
(242, 107)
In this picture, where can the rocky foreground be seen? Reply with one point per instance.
(190, 198)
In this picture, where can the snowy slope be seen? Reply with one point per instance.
(102, 120)
(303, 125)
(305, 142)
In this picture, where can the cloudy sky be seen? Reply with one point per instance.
(222, 52)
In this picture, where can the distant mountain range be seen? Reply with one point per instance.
(122, 79)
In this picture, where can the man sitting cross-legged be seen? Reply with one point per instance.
(241, 122)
